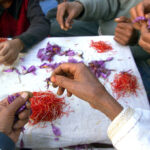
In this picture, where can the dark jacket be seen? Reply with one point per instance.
(39, 26)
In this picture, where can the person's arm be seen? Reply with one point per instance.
(86, 10)
(99, 9)
(39, 25)
(130, 130)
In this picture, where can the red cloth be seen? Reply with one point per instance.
(9, 26)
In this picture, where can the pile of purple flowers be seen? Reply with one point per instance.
(99, 68)
(47, 54)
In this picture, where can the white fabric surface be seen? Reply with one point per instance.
(131, 130)
(84, 125)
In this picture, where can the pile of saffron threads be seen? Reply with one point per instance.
(101, 46)
(46, 106)
(124, 84)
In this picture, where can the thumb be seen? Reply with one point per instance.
(144, 28)
(122, 19)
(64, 82)
(18, 102)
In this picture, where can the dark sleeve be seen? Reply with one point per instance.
(6, 143)
(39, 25)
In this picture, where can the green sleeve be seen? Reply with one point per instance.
(99, 9)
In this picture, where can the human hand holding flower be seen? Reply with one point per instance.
(7, 116)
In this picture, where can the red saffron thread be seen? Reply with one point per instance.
(46, 106)
(101, 46)
(124, 84)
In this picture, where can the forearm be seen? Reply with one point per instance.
(99, 9)
(39, 25)
(108, 105)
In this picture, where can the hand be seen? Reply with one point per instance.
(70, 10)
(7, 115)
(78, 80)
(144, 41)
(125, 34)
(9, 51)
(140, 10)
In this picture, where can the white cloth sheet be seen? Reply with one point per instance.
(84, 124)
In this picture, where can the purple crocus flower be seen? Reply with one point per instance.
(11, 98)
(47, 54)
(99, 69)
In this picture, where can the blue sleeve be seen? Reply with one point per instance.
(6, 143)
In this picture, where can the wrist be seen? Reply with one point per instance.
(19, 44)
(108, 105)
(81, 8)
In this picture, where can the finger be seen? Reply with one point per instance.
(65, 68)
(10, 61)
(122, 19)
(119, 41)
(124, 39)
(60, 15)
(20, 123)
(6, 58)
(144, 45)
(69, 20)
(3, 51)
(124, 26)
(15, 135)
(1, 46)
(54, 85)
(121, 32)
(24, 114)
(64, 82)
(133, 13)
(60, 91)
(144, 28)
(18, 102)
(140, 10)
(69, 94)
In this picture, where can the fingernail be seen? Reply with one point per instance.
(53, 79)
(24, 95)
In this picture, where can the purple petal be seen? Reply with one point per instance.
(109, 59)
(56, 139)
(56, 130)
(45, 65)
(11, 98)
(9, 70)
(40, 53)
(31, 69)
(72, 60)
